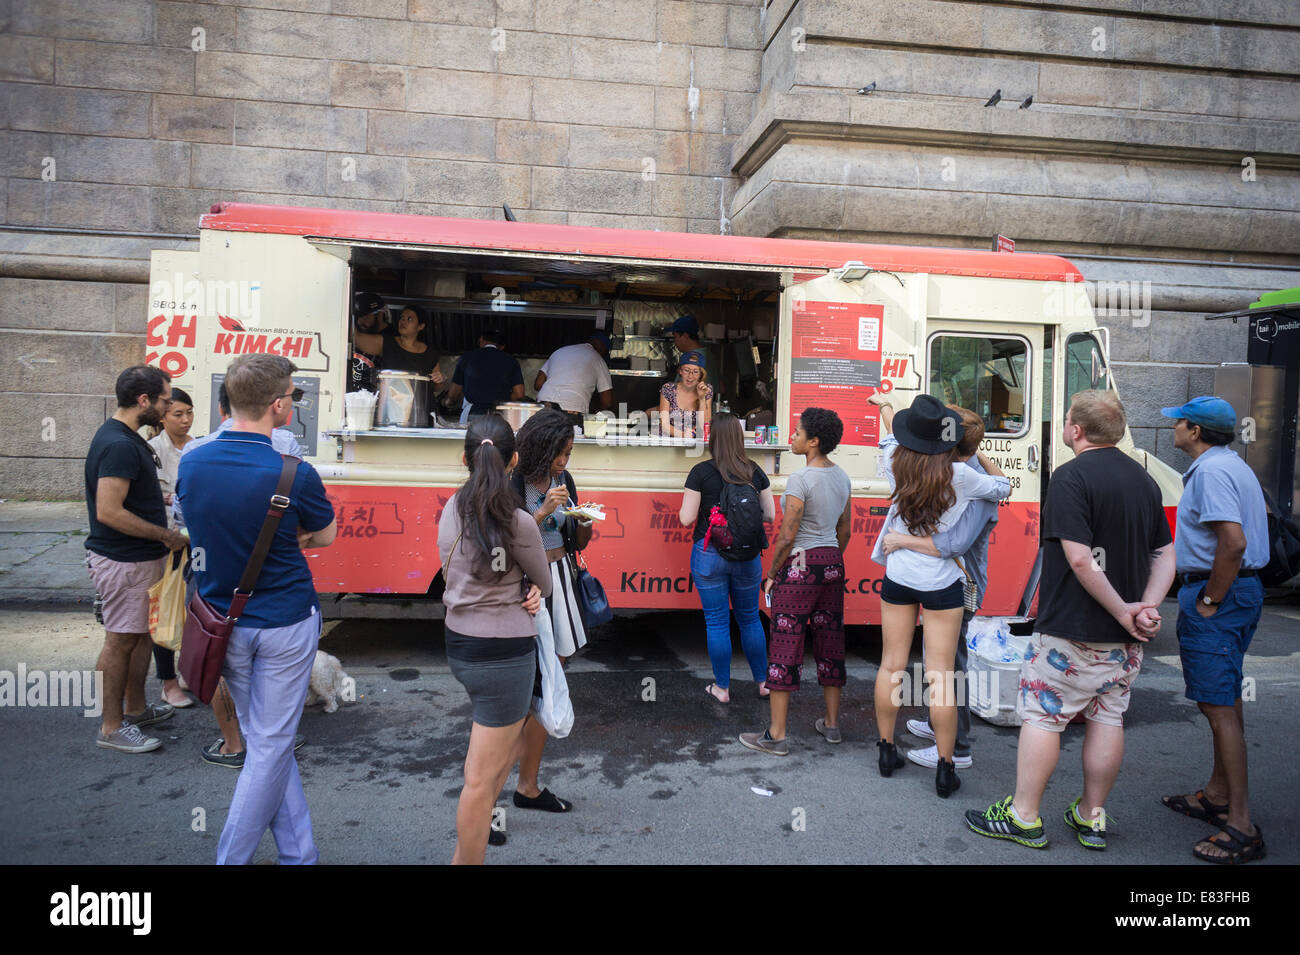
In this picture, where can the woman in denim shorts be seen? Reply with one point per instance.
(930, 491)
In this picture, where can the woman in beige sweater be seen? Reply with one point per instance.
(496, 574)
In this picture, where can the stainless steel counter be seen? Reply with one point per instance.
(609, 441)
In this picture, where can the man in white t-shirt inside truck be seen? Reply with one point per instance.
(574, 372)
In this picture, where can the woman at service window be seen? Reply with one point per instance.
(686, 405)
(404, 351)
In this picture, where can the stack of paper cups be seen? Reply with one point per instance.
(359, 408)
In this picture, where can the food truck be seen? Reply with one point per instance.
(786, 324)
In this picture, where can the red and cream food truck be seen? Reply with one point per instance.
(786, 324)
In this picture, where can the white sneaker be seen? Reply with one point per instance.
(920, 728)
(930, 757)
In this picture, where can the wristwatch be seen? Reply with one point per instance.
(1205, 599)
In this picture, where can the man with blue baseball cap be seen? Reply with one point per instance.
(1221, 545)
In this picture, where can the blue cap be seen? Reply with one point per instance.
(602, 337)
(1207, 411)
(691, 358)
(687, 324)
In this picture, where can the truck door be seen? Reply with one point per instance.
(996, 370)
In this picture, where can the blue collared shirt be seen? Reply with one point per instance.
(282, 439)
(969, 537)
(1220, 486)
(225, 487)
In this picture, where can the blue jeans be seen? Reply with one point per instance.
(726, 585)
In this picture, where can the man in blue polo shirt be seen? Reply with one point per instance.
(225, 488)
(486, 377)
(1221, 544)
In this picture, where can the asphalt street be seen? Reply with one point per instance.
(659, 780)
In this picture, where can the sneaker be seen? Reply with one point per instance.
(764, 743)
(930, 757)
(128, 739)
(1092, 835)
(997, 822)
(922, 729)
(830, 733)
(212, 753)
(153, 713)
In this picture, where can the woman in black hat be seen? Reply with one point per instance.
(929, 494)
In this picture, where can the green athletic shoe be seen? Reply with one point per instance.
(1092, 835)
(997, 822)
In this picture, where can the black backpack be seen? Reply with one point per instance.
(742, 537)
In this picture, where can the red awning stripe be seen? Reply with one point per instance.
(564, 240)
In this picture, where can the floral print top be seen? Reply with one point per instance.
(681, 419)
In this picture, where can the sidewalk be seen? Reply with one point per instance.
(43, 553)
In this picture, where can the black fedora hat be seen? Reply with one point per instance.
(925, 427)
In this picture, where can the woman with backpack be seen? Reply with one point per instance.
(727, 572)
(544, 484)
(930, 491)
(806, 584)
(490, 630)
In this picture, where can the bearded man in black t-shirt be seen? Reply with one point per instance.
(1108, 561)
(125, 552)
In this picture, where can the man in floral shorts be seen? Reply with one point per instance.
(1108, 560)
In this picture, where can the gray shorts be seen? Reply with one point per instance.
(500, 691)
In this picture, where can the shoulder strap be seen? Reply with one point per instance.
(278, 505)
(571, 487)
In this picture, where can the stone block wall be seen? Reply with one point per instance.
(121, 121)
(132, 117)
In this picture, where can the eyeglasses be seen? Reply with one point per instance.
(296, 395)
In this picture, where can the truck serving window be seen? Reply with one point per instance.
(986, 375)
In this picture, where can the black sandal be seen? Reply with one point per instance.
(1238, 846)
(1201, 809)
(545, 800)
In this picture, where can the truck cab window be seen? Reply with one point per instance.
(1085, 368)
(986, 375)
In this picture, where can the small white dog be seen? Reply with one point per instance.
(327, 681)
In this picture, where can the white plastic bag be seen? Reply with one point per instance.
(553, 708)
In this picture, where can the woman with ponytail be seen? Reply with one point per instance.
(496, 573)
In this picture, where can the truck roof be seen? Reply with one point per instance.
(561, 240)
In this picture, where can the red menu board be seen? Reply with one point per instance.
(835, 364)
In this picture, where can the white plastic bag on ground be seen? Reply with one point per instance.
(553, 708)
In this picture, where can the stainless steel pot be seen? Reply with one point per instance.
(517, 412)
(403, 399)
